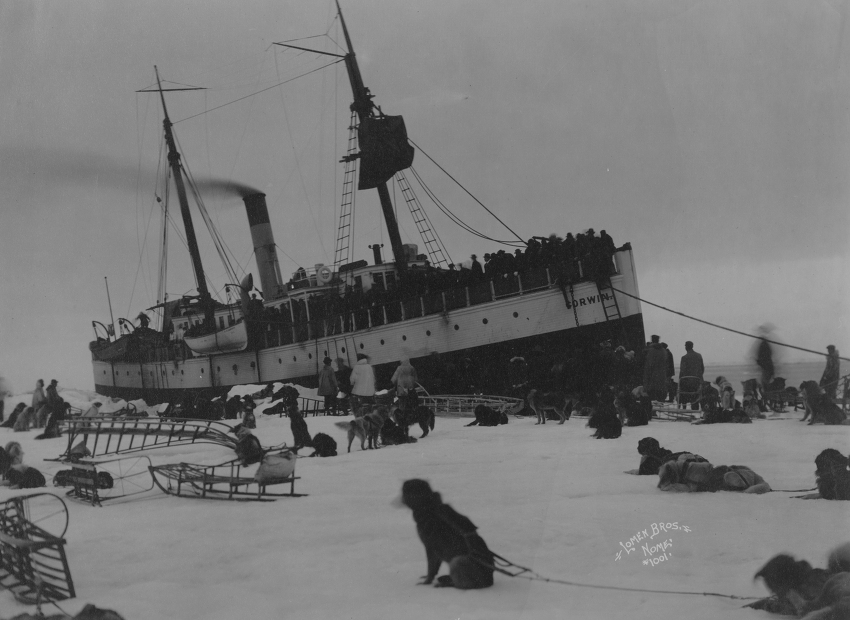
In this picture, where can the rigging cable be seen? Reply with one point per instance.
(258, 92)
(728, 329)
(466, 190)
(298, 162)
(447, 212)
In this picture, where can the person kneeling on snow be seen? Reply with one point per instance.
(687, 475)
(448, 537)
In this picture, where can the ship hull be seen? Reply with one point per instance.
(488, 335)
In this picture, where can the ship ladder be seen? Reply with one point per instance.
(433, 245)
(346, 213)
(609, 304)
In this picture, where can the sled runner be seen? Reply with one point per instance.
(120, 435)
(464, 405)
(224, 481)
(673, 413)
(96, 482)
(33, 565)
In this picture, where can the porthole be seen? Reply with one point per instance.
(181, 371)
(202, 371)
(253, 365)
(294, 359)
(309, 356)
(404, 337)
(235, 369)
(172, 373)
(326, 353)
(457, 327)
(516, 314)
(104, 372)
(218, 368)
(382, 341)
(279, 361)
(484, 321)
(362, 346)
(343, 349)
(428, 333)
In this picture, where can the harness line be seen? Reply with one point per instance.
(502, 565)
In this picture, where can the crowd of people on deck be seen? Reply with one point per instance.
(585, 256)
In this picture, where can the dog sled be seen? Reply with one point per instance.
(110, 436)
(464, 405)
(94, 482)
(227, 480)
(672, 413)
(33, 564)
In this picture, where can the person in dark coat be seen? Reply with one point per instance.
(671, 372)
(832, 372)
(448, 537)
(764, 357)
(655, 370)
(691, 371)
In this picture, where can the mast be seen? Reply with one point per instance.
(363, 107)
(191, 240)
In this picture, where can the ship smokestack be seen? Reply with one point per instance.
(376, 251)
(264, 246)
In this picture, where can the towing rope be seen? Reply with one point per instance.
(503, 565)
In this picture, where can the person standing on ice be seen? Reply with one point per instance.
(655, 370)
(39, 400)
(832, 372)
(362, 382)
(328, 386)
(764, 356)
(448, 537)
(671, 373)
(404, 379)
(691, 370)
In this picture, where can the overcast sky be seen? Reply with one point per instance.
(712, 135)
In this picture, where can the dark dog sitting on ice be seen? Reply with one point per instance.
(300, 434)
(448, 537)
(421, 415)
(604, 418)
(485, 416)
(803, 591)
(832, 476)
(819, 406)
(393, 435)
(323, 445)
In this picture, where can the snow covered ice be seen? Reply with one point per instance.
(546, 497)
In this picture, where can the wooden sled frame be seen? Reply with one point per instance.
(223, 481)
(85, 484)
(121, 435)
(33, 565)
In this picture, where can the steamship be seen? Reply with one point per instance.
(414, 306)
